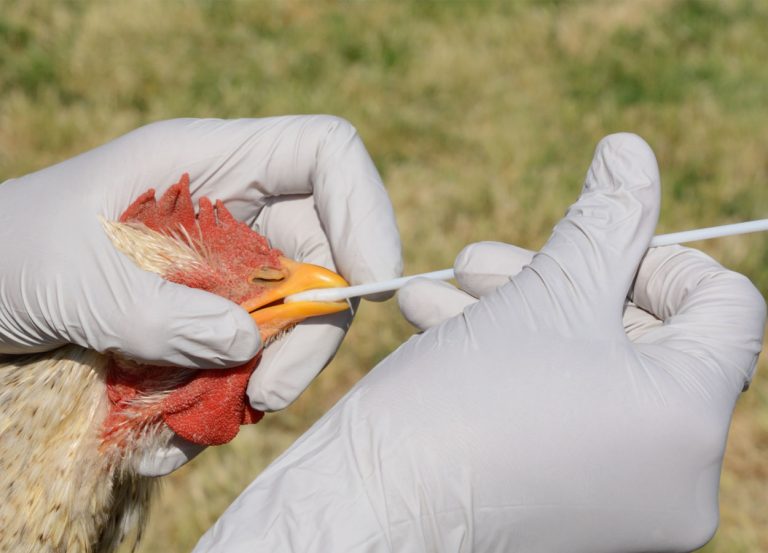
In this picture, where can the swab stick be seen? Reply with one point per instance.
(337, 294)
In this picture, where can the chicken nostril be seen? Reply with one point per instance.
(266, 275)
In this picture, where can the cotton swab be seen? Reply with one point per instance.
(337, 294)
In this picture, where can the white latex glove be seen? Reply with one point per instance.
(531, 422)
(305, 182)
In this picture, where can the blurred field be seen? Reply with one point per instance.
(482, 118)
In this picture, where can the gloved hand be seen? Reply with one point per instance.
(532, 421)
(305, 182)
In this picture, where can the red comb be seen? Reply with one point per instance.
(236, 247)
(172, 212)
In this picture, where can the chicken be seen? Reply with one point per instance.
(74, 423)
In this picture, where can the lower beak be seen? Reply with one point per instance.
(272, 315)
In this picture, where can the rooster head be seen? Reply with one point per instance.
(209, 250)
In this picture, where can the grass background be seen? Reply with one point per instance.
(482, 118)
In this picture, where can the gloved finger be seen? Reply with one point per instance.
(164, 460)
(588, 264)
(244, 162)
(426, 303)
(291, 362)
(141, 316)
(484, 266)
(714, 315)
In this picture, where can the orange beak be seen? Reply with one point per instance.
(268, 309)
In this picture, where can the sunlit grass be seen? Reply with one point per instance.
(482, 117)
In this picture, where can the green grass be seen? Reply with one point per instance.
(482, 117)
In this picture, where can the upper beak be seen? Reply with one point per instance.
(295, 277)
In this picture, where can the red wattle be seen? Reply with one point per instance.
(207, 409)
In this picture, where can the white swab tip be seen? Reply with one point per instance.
(312, 295)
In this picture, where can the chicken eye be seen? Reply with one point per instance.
(266, 275)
